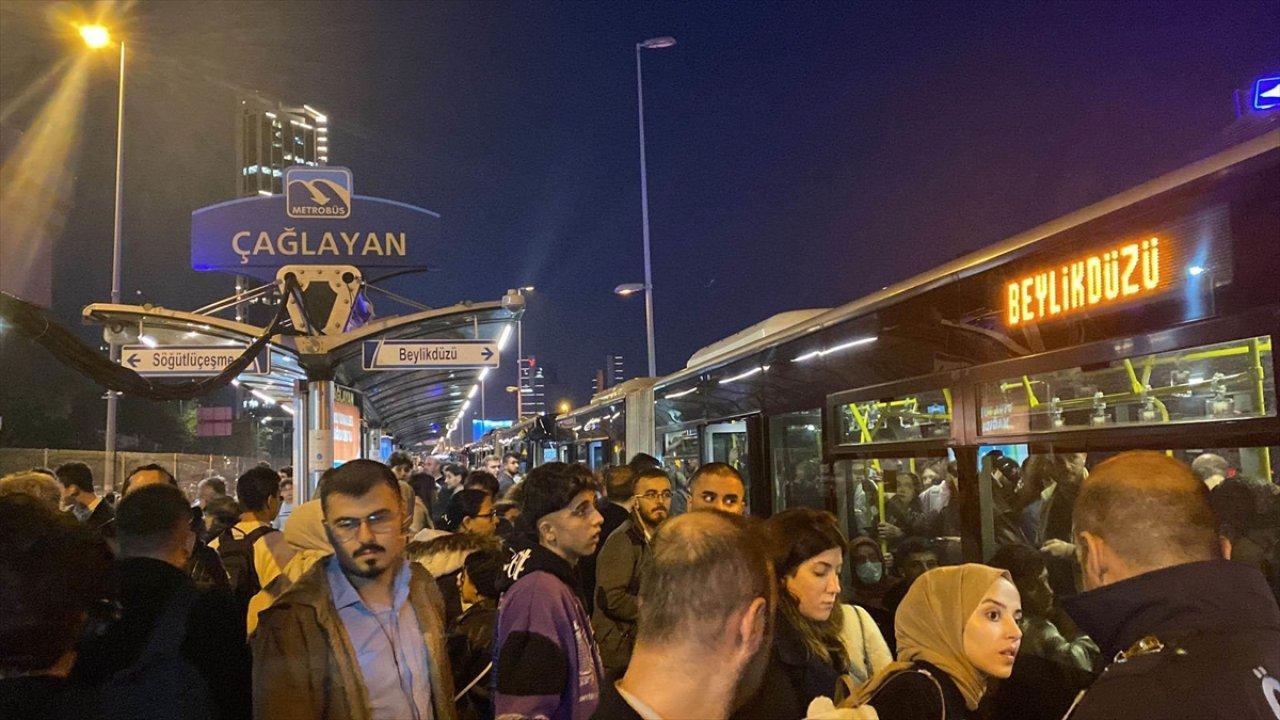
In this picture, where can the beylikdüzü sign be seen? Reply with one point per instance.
(1119, 274)
(317, 221)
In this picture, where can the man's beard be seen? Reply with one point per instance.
(358, 567)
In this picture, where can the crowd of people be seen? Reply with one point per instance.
(423, 590)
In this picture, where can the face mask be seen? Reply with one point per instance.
(870, 573)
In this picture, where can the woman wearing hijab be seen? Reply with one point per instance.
(957, 628)
(808, 656)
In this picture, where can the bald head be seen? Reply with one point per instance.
(703, 571)
(1149, 510)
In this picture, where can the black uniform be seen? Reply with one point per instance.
(1198, 641)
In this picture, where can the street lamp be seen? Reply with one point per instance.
(656, 43)
(630, 289)
(96, 37)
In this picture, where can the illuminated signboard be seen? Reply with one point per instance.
(1266, 92)
(1115, 275)
(346, 426)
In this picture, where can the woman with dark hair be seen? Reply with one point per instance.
(471, 511)
(808, 656)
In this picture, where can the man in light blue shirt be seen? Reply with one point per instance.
(360, 635)
(388, 646)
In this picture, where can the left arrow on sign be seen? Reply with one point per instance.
(133, 361)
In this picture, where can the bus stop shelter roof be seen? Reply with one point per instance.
(413, 406)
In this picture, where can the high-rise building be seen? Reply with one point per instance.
(609, 375)
(271, 136)
(532, 388)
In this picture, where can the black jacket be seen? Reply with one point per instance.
(612, 706)
(793, 678)
(922, 693)
(1201, 642)
(103, 519)
(214, 644)
(470, 652)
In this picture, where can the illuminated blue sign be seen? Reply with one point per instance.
(317, 221)
(1266, 92)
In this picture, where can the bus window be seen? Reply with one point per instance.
(727, 443)
(1224, 381)
(918, 416)
(795, 451)
(1027, 500)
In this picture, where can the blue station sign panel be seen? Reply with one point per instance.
(317, 221)
(189, 360)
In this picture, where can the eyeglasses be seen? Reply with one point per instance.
(487, 516)
(654, 495)
(383, 522)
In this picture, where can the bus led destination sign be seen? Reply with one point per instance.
(1119, 274)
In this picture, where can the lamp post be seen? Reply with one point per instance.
(656, 43)
(97, 36)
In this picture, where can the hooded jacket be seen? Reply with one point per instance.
(546, 664)
(1196, 641)
(305, 668)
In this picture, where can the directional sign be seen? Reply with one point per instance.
(429, 354)
(1266, 92)
(189, 360)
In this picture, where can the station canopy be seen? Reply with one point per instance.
(413, 406)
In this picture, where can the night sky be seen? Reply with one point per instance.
(800, 155)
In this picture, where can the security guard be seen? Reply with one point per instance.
(1192, 636)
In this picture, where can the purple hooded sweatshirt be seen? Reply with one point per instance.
(546, 664)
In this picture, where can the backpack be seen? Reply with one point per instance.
(235, 547)
(160, 683)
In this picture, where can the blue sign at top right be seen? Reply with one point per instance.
(1266, 92)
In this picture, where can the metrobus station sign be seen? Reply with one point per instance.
(318, 220)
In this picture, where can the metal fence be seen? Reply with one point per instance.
(188, 469)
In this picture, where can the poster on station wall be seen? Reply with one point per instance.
(346, 426)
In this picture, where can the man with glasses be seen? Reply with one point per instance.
(718, 486)
(361, 634)
(618, 569)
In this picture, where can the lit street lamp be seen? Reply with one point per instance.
(96, 37)
(656, 43)
(527, 289)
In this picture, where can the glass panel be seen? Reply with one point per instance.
(1226, 381)
(727, 443)
(917, 499)
(1027, 501)
(680, 456)
(795, 451)
(919, 416)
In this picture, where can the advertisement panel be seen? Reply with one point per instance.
(346, 426)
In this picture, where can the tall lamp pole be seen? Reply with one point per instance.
(656, 43)
(97, 36)
(520, 359)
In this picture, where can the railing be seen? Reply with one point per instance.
(187, 468)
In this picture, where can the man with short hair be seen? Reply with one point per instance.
(210, 488)
(507, 473)
(450, 484)
(718, 486)
(1193, 635)
(361, 634)
(187, 646)
(79, 498)
(205, 565)
(706, 608)
(1211, 469)
(619, 487)
(547, 664)
(618, 569)
(252, 551)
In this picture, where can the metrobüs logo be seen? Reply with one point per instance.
(317, 192)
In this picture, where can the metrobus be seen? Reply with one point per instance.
(1144, 321)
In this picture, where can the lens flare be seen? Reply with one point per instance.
(95, 36)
